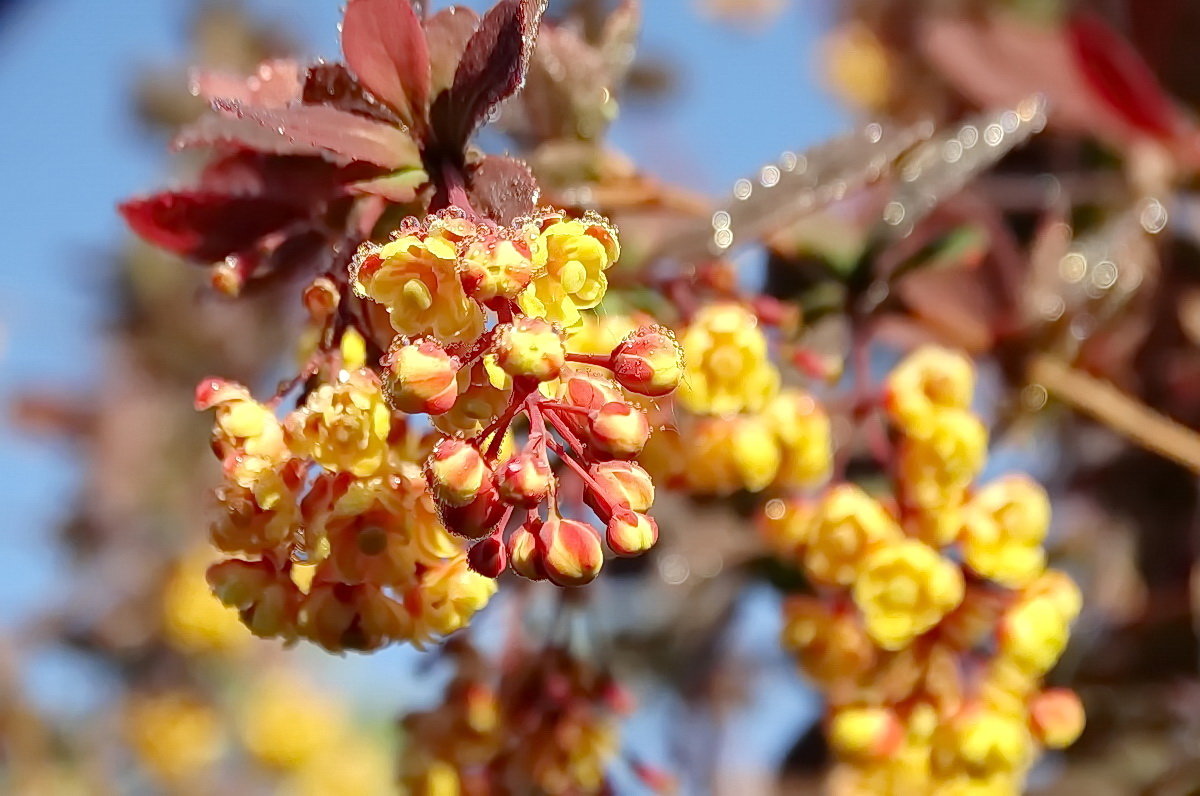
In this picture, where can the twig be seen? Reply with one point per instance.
(1118, 410)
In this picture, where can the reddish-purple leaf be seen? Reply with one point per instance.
(492, 68)
(502, 188)
(447, 33)
(301, 180)
(334, 85)
(1115, 71)
(384, 46)
(273, 85)
(304, 130)
(206, 226)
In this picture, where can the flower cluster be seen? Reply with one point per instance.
(547, 724)
(483, 319)
(334, 534)
(935, 617)
(739, 429)
(304, 739)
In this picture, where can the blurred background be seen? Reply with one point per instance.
(119, 674)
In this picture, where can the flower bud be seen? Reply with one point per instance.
(493, 267)
(476, 518)
(619, 429)
(524, 554)
(867, 733)
(457, 472)
(488, 557)
(630, 534)
(422, 378)
(266, 599)
(573, 555)
(648, 362)
(524, 480)
(621, 484)
(530, 348)
(1056, 718)
(321, 299)
(584, 390)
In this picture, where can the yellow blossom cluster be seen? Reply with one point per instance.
(934, 617)
(733, 426)
(326, 514)
(299, 734)
(548, 725)
(489, 325)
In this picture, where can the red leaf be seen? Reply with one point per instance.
(300, 180)
(502, 188)
(385, 46)
(492, 69)
(273, 85)
(1117, 73)
(333, 85)
(304, 130)
(206, 226)
(447, 33)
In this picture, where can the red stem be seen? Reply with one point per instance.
(600, 360)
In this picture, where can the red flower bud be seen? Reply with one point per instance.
(648, 362)
(573, 554)
(488, 557)
(524, 480)
(477, 518)
(457, 472)
(622, 484)
(1056, 717)
(630, 534)
(619, 430)
(422, 377)
(321, 299)
(525, 553)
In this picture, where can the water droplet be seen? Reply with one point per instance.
(1072, 267)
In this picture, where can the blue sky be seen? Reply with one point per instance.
(71, 150)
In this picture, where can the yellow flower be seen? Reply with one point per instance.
(832, 645)
(241, 423)
(981, 743)
(848, 526)
(600, 333)
(806, 437)
(726, 369)
(285, 721)
(448, 596)
(1012, 558)
(936, 469)
(194, 620)
(725, 454)
(865, 733)
(926, 381)
(484, 390)
(1033, 634)
(416, 278)
(355, 766)
(857, 66)
(175, 736)
(571, 257)
(344, 426)
(904, 589)
(786, 526)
